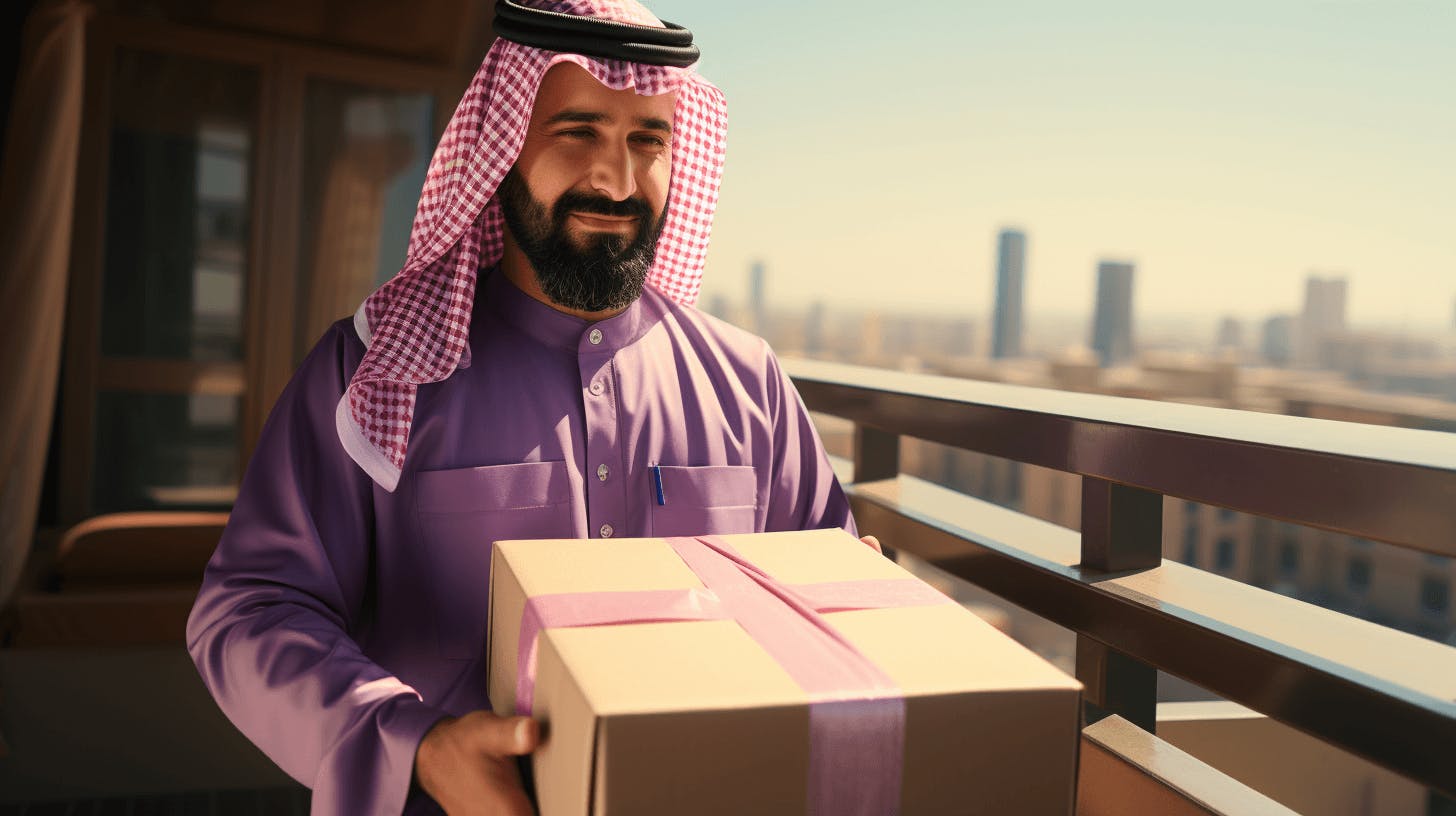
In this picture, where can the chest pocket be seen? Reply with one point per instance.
(711, 500)
(462, 513)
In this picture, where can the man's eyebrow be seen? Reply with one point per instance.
(653, 123)
(585, 117)
(597, 117)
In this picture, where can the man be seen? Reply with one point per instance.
(532, 372)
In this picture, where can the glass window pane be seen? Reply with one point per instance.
(165, 451)
(178, 206)
(1357, 575)
(1289, 558)
(1435, 595)
(366, 151)
(1224, 554)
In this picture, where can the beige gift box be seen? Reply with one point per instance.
(695, 717)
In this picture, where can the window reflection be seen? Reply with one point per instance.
(365, 155)
(177, 215)
(222, 220)
(165, 451)
(182, 138)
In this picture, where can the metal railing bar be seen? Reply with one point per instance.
(1408, 731)
(1388, 444)
(966, 526)
(1389, 484)
(1205, 788)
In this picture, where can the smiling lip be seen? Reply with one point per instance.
(604, 220)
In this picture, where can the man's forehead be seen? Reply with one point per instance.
(569, 92)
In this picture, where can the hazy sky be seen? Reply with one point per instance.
(1227, 149)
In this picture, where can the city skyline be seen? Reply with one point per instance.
(761, 278)
(1228, 151)
(1438, 312)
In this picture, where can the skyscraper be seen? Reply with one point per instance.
(1112, 320)
(814, 329)
(1277, 344)
(1010, 274)
(1323, 315)
(756, 299)
(1230, 334)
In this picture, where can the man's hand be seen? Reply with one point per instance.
(466, 764)
(873, 542)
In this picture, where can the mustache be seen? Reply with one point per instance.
(574, 201)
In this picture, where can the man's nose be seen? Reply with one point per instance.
(613, 172)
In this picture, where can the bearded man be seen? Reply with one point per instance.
(535, 370)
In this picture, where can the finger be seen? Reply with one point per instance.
(511, 802)
(507, 796)
(507, 736)
(873, 542)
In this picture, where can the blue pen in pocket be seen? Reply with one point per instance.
(657, 484)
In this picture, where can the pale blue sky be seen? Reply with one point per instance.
(1228, 149)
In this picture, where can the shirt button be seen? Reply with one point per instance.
(606, 531)
(602, 472)
(596, 388)
(595, 337)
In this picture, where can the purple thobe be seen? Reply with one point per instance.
(337, 622)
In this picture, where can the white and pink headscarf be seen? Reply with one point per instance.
(416, 326)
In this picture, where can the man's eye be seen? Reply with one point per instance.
(651, 141)
(578, 133)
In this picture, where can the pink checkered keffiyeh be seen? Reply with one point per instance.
(416, 326)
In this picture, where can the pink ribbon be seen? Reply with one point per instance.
(856, 712)
(571, 609)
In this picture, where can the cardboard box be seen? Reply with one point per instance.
(696, 717)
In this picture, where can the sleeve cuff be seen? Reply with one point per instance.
(370, 770)
(402, 725)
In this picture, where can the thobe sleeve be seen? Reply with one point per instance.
(270, 631)
(804, 493)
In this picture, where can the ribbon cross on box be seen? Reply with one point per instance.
(856, 712)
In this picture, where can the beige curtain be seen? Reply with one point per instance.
(37, 192)
(346, 246)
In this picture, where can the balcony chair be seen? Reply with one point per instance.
(122, 579)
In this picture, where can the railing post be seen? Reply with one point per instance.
(876, 454)
(1116, 684)
(1122, 529)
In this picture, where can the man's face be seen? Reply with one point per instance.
(585, 199)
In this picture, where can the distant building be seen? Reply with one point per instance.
(961, 338)
(1323, 316)
(1230, 334)
(1277, 344)
(814, 329)
(757, 299)
(872, 337)
(1010, 278)
(1112, 319)
(1390, 363)
(717, 306)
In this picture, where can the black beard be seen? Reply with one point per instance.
(607, 272)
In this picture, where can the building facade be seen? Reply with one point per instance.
(1010, 279)
(1112, 331)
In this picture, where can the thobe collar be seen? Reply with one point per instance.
(556, 329)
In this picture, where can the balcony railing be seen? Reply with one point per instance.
(1379, 693)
